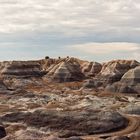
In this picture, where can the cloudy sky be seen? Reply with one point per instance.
(97, 30)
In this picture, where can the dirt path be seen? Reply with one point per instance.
(134, 123)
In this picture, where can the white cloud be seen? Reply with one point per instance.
(104, 48)
(130, 50)
(69, 16)
(72, 21)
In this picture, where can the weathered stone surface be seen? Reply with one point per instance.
(46, 63)
(92, 83)
(65, 71)
(86, 122)
(32, 106)
(2, 85)
(21, 69)
(132, 76)
(113, 71)
(91, 68)
(122, 138)
(129, 83)
(132, 109)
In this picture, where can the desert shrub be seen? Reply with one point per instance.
(47, 57)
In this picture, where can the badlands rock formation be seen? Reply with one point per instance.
(22, 69)
(66, 70)
(68, 99)
(132, 76)
(70, 69)
(91, 68)
(113, 71)
(129, 83)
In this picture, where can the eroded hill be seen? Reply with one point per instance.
(70, 99)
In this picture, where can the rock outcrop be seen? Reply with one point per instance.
(91, 68)
(132, 76)
(34, 106)
(21, 69)
(46, 63)
(129, 83)
(69, 69)
(65, 70)
(92, 83)
(113, 71)
(87, 122)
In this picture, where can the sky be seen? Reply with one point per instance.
(96, 30)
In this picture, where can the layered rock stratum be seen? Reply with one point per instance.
(69, 99)
(129, 83)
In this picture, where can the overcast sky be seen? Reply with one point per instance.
(97, 30)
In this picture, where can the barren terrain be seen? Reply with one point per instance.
(70, 99)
